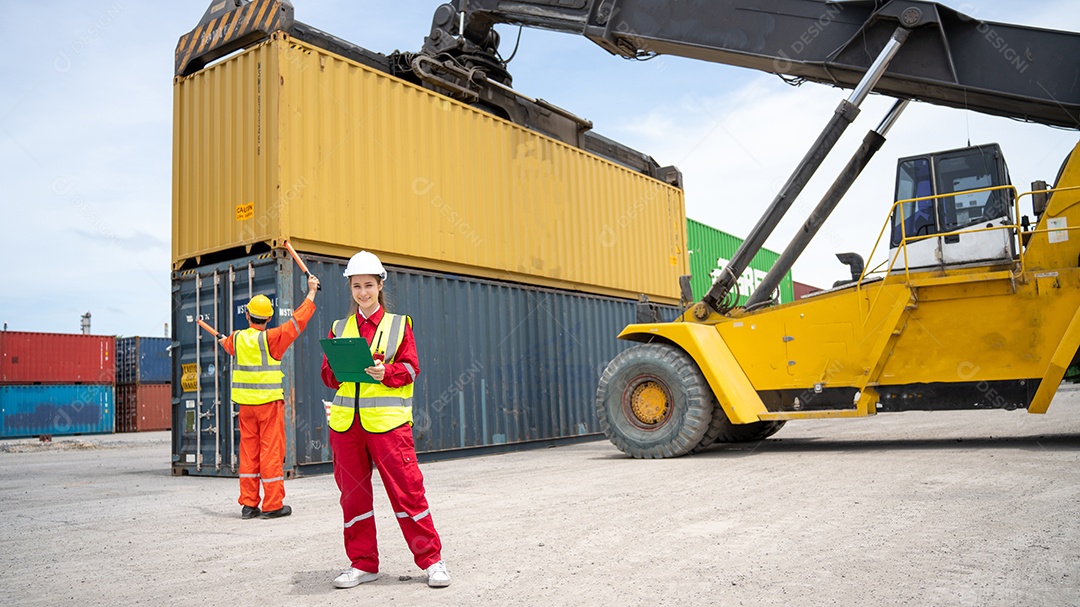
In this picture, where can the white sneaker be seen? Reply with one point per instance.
(354, 577)
(437, 577)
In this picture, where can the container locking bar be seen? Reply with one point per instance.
(217, 377)
(232, 418)
(198, 377)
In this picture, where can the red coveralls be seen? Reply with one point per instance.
(357, 451)
(262, 427)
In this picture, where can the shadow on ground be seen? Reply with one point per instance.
(1039, 442)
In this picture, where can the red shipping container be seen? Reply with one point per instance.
(57, 358)
(143, 407)
(802, 290)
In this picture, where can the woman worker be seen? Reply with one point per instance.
(371, 425)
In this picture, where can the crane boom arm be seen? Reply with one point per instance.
(950, 59)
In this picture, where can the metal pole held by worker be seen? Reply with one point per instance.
(299, 262)
(212, 330)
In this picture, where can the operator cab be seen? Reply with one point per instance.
(953, 171)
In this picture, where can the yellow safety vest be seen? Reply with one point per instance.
(381, 409)
(256, 376)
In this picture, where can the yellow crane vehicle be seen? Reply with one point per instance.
(977, 305)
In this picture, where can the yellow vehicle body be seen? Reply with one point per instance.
(980, 336)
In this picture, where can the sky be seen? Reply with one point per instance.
(86, 121)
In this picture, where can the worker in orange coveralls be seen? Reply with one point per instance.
(256, 387)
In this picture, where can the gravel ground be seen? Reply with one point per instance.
(957, 508)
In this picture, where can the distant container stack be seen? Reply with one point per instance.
(143, 384)
(56, 384)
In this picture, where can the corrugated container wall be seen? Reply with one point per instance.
(56, 410)
(712, 249)
(143, 360)
(287, 141)
(56, 358)
(500, 364)
(143, 407)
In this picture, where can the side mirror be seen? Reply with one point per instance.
(1040, 198)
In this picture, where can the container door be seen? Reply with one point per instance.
(206, 427)
(202, 414)
(305, 393)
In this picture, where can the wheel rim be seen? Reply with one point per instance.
(647, 402)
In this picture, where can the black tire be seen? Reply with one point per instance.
(717, 426)
(748, 433)
(653, 402)
(721, 430)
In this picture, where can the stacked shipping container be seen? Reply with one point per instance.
(143, 384)
(334, 156)
(56, 384)
(61, 409)
(56, 358)
(518, 256)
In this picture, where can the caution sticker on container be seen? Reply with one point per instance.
(190, 377)
(245, 211)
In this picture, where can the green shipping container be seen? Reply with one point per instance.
(710, 250)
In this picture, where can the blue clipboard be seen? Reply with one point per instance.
(348, 357)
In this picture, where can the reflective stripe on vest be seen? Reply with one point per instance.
(256, 376)
(370, 402)
(380, 408)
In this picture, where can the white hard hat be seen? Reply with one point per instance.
(365, 263)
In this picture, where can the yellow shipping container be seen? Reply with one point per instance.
(288, 141)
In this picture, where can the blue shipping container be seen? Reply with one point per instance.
(501, 364)
(56, 409)
(143, 360)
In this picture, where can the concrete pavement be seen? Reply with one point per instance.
(953, 508)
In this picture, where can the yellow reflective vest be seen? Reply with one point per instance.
(380, 408)
(256, 376)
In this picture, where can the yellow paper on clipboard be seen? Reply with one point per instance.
(348, 357)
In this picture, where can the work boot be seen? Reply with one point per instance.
(354, 577)
(280, 512)
(249, 512)
(437, 577)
